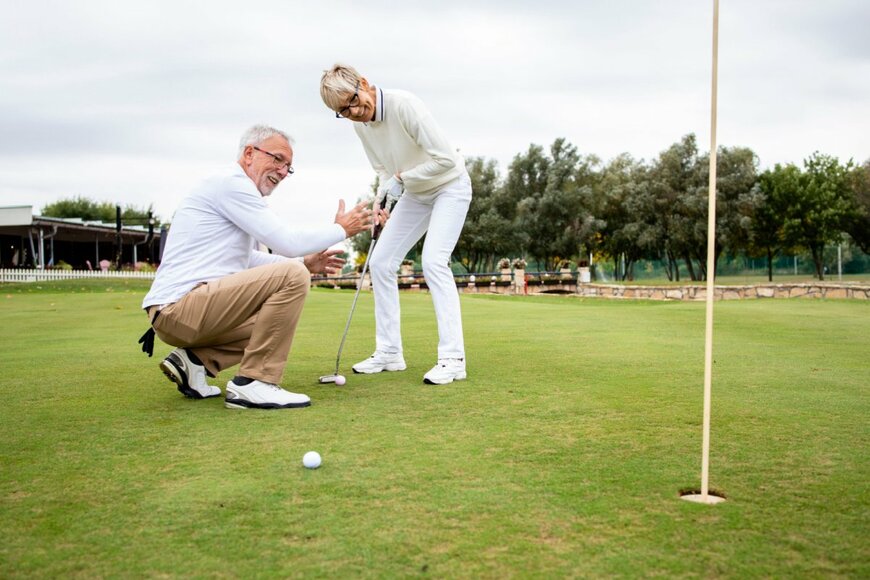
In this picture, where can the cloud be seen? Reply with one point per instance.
(137, 101)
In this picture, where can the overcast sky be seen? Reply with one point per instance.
(136, 102)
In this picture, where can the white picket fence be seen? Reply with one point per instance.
(22, 275)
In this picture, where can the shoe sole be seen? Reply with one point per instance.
(459, 377)
(389, 367)
(177, 375)
(239, 404)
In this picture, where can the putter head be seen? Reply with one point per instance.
(327, 379)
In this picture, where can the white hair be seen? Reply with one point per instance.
(259, 133)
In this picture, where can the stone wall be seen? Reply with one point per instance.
(857, 291)
(812, 290)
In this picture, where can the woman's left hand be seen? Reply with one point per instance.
(380, 217)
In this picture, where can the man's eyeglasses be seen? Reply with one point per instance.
(279, 161)
(354, 101)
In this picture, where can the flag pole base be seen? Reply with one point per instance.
(708, 499)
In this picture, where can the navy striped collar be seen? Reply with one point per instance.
(380, 107)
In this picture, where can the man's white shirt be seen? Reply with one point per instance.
(216, 230)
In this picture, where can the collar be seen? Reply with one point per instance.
(380, 107)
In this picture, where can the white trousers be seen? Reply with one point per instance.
(440, 216)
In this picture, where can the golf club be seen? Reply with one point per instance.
(334, 377)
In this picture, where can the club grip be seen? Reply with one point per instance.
(380, 226)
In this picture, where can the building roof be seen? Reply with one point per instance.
(14, 222)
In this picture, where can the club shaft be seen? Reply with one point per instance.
(353, 305)
(376, 232)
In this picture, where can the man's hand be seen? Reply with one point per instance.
(326, 262)
(356, 220)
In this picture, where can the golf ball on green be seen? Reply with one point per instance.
(340, 380)
(311, 460)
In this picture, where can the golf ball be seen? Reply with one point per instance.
(340, 380)
(311, 460)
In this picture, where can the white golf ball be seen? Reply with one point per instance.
(311, 460)
(340, 380)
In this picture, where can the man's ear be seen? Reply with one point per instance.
(247, 154)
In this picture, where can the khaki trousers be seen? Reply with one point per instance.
(249, 317)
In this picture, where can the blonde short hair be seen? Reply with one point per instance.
(336, 83)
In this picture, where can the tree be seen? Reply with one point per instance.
(737, 196)
(678, 208)
(821, 207)
(680, 181)
(90, 210)
(858, 223)
(569, 209)
(519, 199)
(485, 233)
(551, 199)
(630, 232)
(777, 186)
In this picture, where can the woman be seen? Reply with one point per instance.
(409, 152)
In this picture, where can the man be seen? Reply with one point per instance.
(219, 299)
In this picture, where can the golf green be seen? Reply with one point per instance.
(563, 454)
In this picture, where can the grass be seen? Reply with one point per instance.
(562, 455)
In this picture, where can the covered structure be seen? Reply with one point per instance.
(32, 241)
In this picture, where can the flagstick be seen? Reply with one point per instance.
(704, 496)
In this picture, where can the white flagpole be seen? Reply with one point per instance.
(704, 496)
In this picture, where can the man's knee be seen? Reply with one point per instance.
(296, 274)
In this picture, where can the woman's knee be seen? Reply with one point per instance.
(382, 268)
(436, 269)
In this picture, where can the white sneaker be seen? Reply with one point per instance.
(189, 376)
(260, 395)
(446, 371)
(380, 361)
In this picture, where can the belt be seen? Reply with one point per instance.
(156, 308)
(154, 311)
